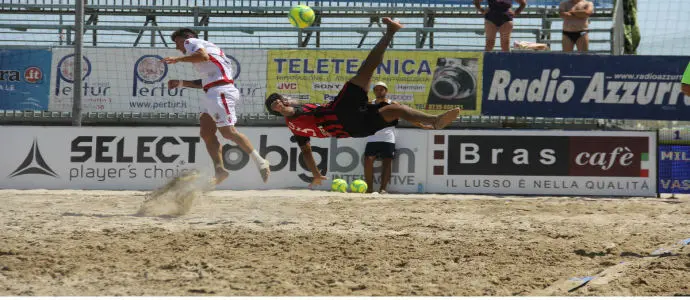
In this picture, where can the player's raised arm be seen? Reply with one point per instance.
(178, 83)
(586, 12)
(197, 56)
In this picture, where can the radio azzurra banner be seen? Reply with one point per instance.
(585, 86)
(430, 81)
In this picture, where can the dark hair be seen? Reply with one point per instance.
(272, 98)
(183, 32)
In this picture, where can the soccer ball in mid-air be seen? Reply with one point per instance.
(339, 185)
(358, 186)
(301, 16)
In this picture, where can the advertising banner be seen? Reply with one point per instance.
(24, 79)
(144, 158)
(674, 169)
(425, 80)
(542, 162)
(340, 158)
(453, 161)
(585, 86)
(135, 80)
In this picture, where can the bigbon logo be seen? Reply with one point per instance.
(339, 160)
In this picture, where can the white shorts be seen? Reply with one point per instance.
(220, 104)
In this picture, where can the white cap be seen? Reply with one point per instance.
(381, 83)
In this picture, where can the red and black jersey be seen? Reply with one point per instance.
(313, 120)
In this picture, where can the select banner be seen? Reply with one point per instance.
(542, 162)
(24, 79)
(585, 86)
(429, 81)
(674, 169)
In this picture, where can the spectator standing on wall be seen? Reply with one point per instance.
(498, 18)
(575, 14)
(685, 87)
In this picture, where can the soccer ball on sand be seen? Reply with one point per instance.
(339, 185)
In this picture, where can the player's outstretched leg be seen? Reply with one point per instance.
(375, 57)
(391, 113)
(231, 133)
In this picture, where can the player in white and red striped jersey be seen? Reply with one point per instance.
(219, 103)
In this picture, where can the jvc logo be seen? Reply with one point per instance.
(334, 158)
(286, 86)
(149, 149)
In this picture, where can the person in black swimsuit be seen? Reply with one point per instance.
(575, 14)
(499, 18)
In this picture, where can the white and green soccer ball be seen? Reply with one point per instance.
(339, 185)
(358, 186)
(301, 16)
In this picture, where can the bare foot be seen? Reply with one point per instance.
(446, 118)
(391, 26)
(221, 174)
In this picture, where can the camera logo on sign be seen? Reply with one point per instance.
(34, 164)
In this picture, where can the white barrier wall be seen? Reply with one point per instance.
(448, 161)
(543, 162)
(144, 157)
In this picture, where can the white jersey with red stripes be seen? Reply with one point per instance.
(218, 69)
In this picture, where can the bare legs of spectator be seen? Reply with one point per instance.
(582, 44)
(491, 30)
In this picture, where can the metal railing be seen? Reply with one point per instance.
(278, 3)
(262, 24)
(191, 119)
(618, 29)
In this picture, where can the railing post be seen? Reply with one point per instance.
(77, 77)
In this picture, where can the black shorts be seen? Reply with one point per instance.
(358, 117)
(380, 149)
